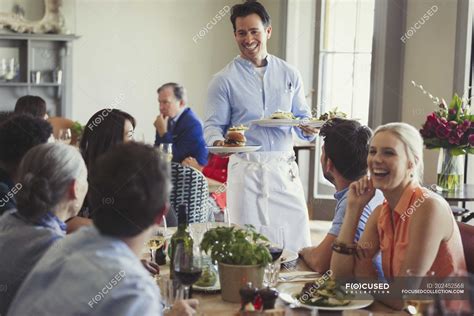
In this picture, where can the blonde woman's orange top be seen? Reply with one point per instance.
(394, 243)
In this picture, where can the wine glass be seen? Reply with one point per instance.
(187, 266)
(65, 135)
(276, 237)
(419, 304)
(167, 150)
(156, 244)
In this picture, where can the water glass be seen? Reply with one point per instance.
(167, 150)
(65, 136)
(171, 291)
(270, 275)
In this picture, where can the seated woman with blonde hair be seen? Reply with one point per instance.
(414, 229)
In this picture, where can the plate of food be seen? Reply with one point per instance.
(322, 295)
(232, 150)
(208, 282)
(279, 118)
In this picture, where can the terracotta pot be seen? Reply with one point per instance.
(234, 277)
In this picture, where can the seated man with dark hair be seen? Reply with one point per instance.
(18, 134)
(31, 105)
(96, 271)
(343, 160)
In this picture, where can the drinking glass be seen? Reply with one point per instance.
(276, 237)
(417, 304)
(158, 241)
(187, 266)
(170, 292)
(167, 150)
(65, 135)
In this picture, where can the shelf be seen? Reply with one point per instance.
(39, 37)
(13, 84)
(45, 84)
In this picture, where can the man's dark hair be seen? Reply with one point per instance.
(18, 134)
(128, 189)
(103, 130)
(31, 104)
(346, 143)
(247, 8)
(178, 90)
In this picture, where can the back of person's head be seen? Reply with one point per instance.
(32, 105)
(413, 142)
(346, 143)
(247, 8)
(45, 174)
(130, 186)
(104, 130)
(18, 134)
(178, 90)
(5, 115)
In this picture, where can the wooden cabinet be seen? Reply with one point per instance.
(36, 64)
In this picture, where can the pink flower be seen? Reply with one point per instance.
(471, 140)
(455, 137)
(452, 112)
(442, 132)
(453, 124)
(466, 124)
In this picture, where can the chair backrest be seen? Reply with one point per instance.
(467, 236)
(189, 186)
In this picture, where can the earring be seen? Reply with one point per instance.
(411, 175)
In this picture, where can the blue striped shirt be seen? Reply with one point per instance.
(341, 204)
(88, 273)
(22, 244)
(237, 95)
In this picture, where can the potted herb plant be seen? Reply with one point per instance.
(241, 253)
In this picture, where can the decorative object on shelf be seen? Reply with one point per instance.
(451, 128)
(9, 72)
(52, 21)
(241, 254)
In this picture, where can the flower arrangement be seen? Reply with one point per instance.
(450, 127)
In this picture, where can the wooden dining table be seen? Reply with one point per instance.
(212, 303)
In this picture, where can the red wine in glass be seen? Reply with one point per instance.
(188, 276)
(275, 252)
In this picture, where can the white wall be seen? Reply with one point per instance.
(130, 47)
(429, 61)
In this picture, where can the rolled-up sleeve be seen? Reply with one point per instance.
(217, 111)
(300, 108)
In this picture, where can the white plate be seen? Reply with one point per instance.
(287, 122)
(288, 292)
(216, 287)
(288, 256)
(232, 150)
(277, 122)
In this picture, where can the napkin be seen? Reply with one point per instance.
(298, 276)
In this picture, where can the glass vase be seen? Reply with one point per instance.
(450, 171)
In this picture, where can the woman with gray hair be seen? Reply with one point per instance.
(52, 186)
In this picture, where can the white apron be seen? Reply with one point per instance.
(264, 188)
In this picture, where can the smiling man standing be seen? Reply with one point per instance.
(264, 188)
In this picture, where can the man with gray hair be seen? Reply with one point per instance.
(179, 125)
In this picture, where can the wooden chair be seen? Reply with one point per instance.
(61, 123)
(467, 236)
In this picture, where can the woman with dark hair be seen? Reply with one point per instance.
(106, 128)
(32, 105)
(53, 181)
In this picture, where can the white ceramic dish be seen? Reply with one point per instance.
(288, 292)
